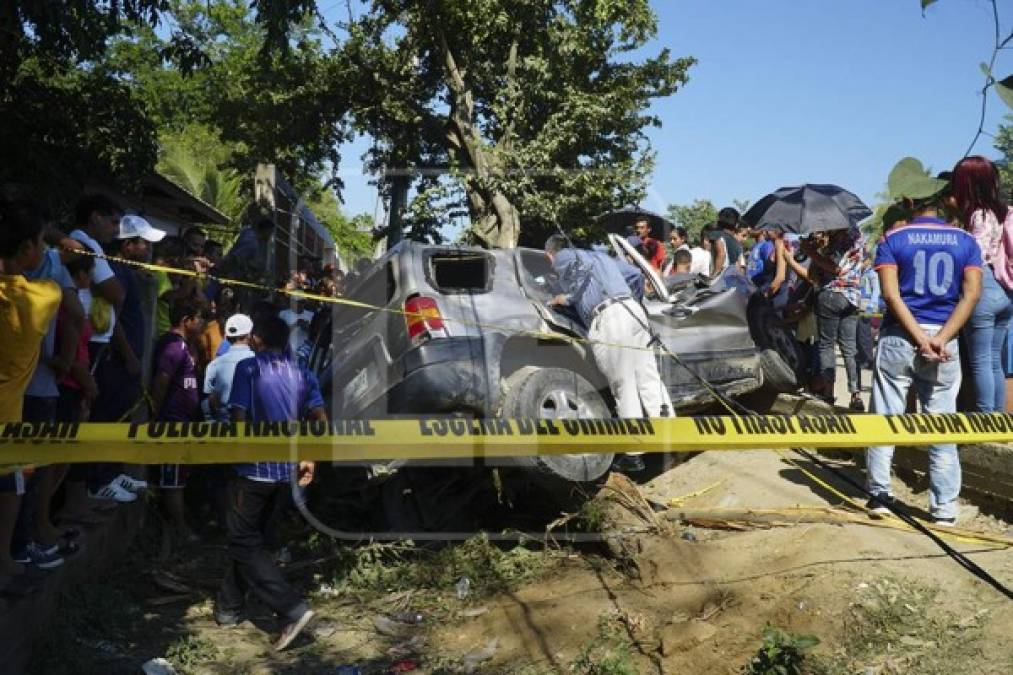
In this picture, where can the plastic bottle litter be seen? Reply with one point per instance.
(471, 660)
(392, 628)
(158, 666)
(408, 617)
(463, 587)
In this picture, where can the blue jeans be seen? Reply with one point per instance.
(984, 336)
(838, 322)
(898, 367)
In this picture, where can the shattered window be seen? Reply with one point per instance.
(460, 272)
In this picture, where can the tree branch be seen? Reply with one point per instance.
(506, 141)
(989, 78)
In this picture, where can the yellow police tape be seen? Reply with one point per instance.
(464, 438)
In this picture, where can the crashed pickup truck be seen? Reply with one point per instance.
(471, 333)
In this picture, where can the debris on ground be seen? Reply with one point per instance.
(392, 628)
(408, 647)
(158, 666)
(473, 659)
(324, 629)
(463, 588)
(473, 612)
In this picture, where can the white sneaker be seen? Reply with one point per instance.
(291, 631)
(129, 483)
(113, 493)
(41, 558)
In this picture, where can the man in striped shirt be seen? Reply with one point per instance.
(268, 387)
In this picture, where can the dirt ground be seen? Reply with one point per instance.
(682, 598)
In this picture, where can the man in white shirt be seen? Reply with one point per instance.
(701, 256)
(98, 222)
(218, 376)
(298, 320)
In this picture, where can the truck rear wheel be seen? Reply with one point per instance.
(556, 393)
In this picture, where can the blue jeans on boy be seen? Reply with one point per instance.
(898, 368)
(985, 334)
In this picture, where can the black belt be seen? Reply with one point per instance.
(606, 303)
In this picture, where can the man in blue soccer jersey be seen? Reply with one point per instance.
(930, 277)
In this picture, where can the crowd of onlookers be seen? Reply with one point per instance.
(938, 286)
(113, 320)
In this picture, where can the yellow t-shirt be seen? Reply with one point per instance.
(211, 340)
(26, 310)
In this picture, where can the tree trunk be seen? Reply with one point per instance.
(494, 218)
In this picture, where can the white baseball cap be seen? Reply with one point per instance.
(238, 325)
(135, 226)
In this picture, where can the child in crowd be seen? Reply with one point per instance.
(175, 397)
(218, 377)
(77, 391)
(269, 387)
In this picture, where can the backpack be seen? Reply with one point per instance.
(1002, 266)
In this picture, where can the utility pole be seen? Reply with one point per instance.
(399, 182)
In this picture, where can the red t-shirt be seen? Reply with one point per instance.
(81, 356)
(657, 258)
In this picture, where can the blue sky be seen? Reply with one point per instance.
(795, 91)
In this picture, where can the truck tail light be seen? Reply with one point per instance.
(422, 317)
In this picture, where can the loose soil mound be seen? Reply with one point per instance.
(662, 597)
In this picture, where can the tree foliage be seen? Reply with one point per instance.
(195, 159)
(517, 114)
(351, 235)
(1004, 144)
(286, 107)
(694, 217)
(67, 114)
(536, 108)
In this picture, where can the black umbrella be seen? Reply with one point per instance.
(621, 221)
(808, 208)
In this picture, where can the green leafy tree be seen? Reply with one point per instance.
(196, 160)
(222, 105)
(61, 126)
(535, 109)
(1004, 144)
(286, 107)
(353, 236)
(694, 217)
(67, 115)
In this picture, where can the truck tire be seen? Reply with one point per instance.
(781, 358)
(777, 375)
(556, 393)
